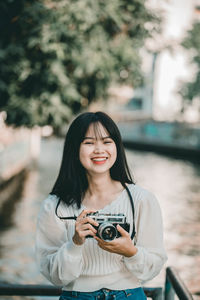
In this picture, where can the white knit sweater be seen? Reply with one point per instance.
(87, 267)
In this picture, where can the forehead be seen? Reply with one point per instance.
(96, 130)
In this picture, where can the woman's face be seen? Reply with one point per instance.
(98, 151)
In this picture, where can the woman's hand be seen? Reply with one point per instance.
(83, 227)
(122, 245)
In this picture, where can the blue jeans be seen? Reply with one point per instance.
(105, 294)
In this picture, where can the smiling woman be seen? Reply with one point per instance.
(94, 183)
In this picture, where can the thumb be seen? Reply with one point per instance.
(122, 231)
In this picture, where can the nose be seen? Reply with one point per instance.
(98, 148)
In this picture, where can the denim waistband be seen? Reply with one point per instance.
(103, 291)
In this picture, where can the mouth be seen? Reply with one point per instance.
(99, 160)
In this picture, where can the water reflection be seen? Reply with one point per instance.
(174, 182)
(176, 185)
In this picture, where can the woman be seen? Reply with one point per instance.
(94, 179)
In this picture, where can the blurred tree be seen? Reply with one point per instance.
(191, 90)
(58, 56)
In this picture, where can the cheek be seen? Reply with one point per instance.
(83, 155)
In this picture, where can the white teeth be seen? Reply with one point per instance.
(99, 159)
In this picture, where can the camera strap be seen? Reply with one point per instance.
(63, 218)
(75, 217)
(133, 211)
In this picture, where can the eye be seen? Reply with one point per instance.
(88, 143)
(108, 141)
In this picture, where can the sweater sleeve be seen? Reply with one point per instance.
(151, 255)
(59, 259)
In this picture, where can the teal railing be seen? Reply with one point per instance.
(173, 286)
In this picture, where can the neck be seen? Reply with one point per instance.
(99, 184)
(102, 190)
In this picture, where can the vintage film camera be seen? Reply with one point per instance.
(107, 230)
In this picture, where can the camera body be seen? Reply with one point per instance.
(107, 229)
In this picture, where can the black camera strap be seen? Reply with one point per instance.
(133, 211)
(63, 218)
(132, 206)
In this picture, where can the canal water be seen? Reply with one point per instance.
(176, 184)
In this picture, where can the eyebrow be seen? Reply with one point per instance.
(92, 138)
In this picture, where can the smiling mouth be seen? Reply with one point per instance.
(99, 160)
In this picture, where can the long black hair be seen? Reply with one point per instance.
(72, 183)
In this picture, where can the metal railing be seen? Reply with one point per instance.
(173, 286)
(48, 290)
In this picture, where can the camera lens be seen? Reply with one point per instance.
(107, 231)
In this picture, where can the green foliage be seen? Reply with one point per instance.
(190, 90)
(58, 56)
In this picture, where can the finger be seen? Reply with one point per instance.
(85, 233)
(88, 227)
(87, 220)
(85, 212)
(122, 231)
(104, 243)
(91, 221)
(99, 241)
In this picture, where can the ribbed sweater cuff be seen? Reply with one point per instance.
(73, 249)
(135, 258)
